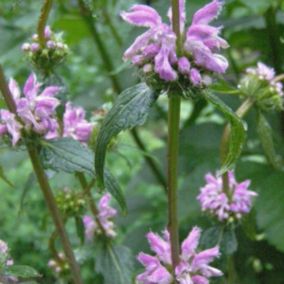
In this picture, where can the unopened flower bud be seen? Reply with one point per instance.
(147, 68)
(26, 46)
(51, 44)
(47, 32)
(35, 37)
(34, 47)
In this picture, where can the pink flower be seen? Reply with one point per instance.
(266, 73)
(157, 46)
(193, 267)
(36, 108)
(215, 200)
(9, 125)
(75, 124)
(105, 213)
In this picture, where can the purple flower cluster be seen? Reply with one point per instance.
(52, 42)
(36, 112)
(155, 50)
(5, 260)
(47, 54)
(193, 267)
(75, 124)
(263, 72)
(261, 85)
(216, 201)
(105, 213)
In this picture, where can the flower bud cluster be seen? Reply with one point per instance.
(226, 205)
(36, 113)
(59, 266)
(5, 259)
(193, 266)
(48, 54)
(193, 62)
(260, 85)
(71, 203)
(103, 220)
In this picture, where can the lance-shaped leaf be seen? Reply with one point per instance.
(266, 138)
(112, 186)
(71, 156)
(130, 109)
(22, 271)
(115, 263)
(67, 155)
(237, 132)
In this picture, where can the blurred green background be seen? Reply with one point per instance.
(255, 32)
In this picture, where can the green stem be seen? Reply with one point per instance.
(6, 93)
(87, 191)
(54, 211)
(112, 28)
(42, 21)
(232, 275)
(173, 151)
(106, 58)
(240, 112)
(45, 188)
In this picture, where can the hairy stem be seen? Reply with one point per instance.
(42, 21)
(173, 148)
(173, 151)
(240, 112)
(112, 28)
(87, 16)
(45, 188)
(87, 191)
(54, 211)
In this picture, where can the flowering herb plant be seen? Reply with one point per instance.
(75, 152)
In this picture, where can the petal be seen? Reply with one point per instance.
(197, 279)
(148, 261)
(160, 247)
(163, 66)
(195, 77)
(143, 16)
(50, 91)
(183, 65)
(139, 43)
(31, 87)
(207, 13)
(14, 89)
(190, 244)
(205, 257)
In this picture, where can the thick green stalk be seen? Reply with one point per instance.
(240, 112)
(173, 151)
(42, 21)
(106, 58)
(54, 211)
(45, 188)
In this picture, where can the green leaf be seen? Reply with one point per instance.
(266, 138)
(22, 271)
(130, 109)
(4, 178)
(229, 243)
(112, 186)
(115, 263)
(268, 183)
(67, 155)
(237, 133)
